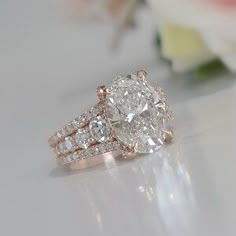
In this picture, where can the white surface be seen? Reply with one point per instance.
(48, 69)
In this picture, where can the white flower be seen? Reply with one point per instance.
(216, 26)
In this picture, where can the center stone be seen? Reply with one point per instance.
(132, 111)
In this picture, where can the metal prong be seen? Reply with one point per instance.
(102, 92)
(128, 153)
(142, 74)
(168, 136)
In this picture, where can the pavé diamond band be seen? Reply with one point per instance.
(131, 116)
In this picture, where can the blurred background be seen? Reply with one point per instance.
(54, 53)
(63, 48)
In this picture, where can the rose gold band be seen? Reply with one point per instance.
(95, 150)
(75, 124)
(75, 142)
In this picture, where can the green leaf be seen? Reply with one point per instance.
(210, 70)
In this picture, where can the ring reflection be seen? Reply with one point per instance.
(152, 192)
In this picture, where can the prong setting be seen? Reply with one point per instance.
(128, 152)
(142, 74)
(102, 92)
(168, 136)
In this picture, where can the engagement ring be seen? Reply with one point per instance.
(131, 116)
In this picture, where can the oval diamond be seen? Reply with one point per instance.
(133, 114)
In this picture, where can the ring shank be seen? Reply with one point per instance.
(70, 147)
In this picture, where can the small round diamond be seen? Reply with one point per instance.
(76, 124)
(68, 159)
(60, 133)
(82, 138)
(57, 150)
(99, 129)
(61, 148)
(68, 144)
(69, 127)
(74, 156)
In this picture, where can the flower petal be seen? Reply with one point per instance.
(229, 61)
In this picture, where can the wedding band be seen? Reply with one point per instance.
(131, 116)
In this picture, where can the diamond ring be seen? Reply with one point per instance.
(131, 116)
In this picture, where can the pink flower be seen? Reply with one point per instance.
(224, 4)
(96, 10)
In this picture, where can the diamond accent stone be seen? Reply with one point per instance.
(61, 148)
(99, 129)
(60, 133)
(68, 144)
(74, 156)
(133, 114)
(83, 138)
(77, 123)
(57, 150)
(94, 150)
